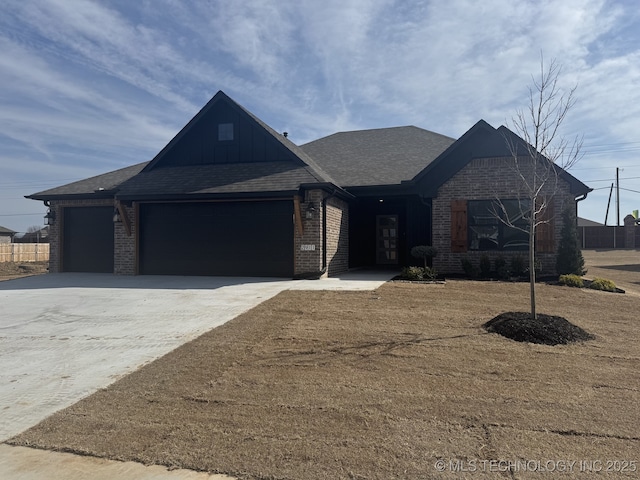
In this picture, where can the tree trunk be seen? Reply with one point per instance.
(532, 263)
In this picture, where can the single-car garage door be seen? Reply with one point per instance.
(87, 244)
(236, 238)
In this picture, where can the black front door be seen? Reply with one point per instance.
(387, 239)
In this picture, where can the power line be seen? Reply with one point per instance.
(609, 179)
(18, 214)
(605, 167)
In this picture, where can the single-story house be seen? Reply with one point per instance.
(6, 235)
(230, 196)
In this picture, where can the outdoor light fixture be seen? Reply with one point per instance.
(116, 215)
(50, 217)
(310, 209)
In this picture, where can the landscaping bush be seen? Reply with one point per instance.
(518, 266)
(469, 268)
(569, 257)
(412, 273)
(603, 284)
(571, 280)
(485, 266)
(500, 267)
(419, 273)
(429, 273)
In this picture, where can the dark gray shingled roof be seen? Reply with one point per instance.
(153, 179)
(98, 185)
(5, 230)
(226, 178)
(383, 156)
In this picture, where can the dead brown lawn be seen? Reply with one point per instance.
(9, 270)
(377, 385)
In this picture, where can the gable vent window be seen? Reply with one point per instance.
(225, 132)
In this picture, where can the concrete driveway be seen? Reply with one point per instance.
(63, 336)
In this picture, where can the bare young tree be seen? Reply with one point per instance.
(537, 162)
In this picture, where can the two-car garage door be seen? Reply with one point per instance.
(231, 238)
(215, 238)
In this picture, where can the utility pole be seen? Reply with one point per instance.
(618, 194)
(606, 215)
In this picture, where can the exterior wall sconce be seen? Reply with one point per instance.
(50, 217)
(116, 215)
(311, 208)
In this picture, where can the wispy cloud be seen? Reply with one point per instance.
(91, 86)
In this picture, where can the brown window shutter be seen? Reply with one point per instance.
(458, 226)
(544, 231)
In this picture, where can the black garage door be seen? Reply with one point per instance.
(88, 239)
(239, 239)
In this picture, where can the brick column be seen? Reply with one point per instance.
(124, 248)
(629, 232)
(309, 246)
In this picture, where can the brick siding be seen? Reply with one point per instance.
(337, 236)
(488, 179)
(125, 261)
(309, 261)
(337, 218)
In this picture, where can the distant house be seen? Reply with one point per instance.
(230, 196)
(38, 236)
(6, 235)
(584, 222)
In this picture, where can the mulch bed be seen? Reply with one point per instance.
(545, 329)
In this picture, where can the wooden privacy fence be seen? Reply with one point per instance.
(24, 252)
(602, 237)
(610, 237)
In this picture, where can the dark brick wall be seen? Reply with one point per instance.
(309, 261)
(125, 261)
(488, 179)
(337, 236)
(337, 218)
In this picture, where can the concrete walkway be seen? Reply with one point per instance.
(64, 336)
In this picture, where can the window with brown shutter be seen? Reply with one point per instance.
(544, 231)
(501, 225)
(458, 226)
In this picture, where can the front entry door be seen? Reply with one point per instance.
(387, 239)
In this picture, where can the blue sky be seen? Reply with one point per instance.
(91, 86)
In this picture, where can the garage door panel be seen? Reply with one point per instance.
(240, 239)
(88, 244)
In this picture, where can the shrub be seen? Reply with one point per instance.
(469, 268)
(569, 257)
(412, 273)
(603, 284)
(571, 280)
(429, 273)
(419, 273)
(500, 267)
(424, 252)
(518, 267)
(485, 266)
